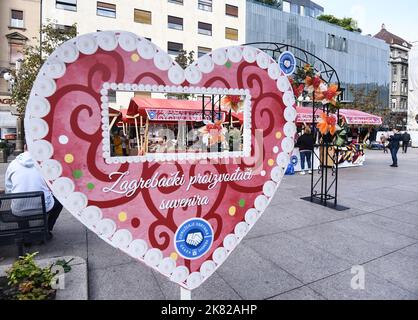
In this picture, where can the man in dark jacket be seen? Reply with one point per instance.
(406, 137)
(394, 144)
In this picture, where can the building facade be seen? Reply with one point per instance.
(173, 25)
(399, 51)
(305, 8)
(413, 93)
(19, 25)
(360, 61)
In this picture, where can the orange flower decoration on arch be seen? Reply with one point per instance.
(329, 95)
(328, 124)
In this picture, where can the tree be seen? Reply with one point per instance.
(348, 24)
(33, 58)
(184, 59)
(52, 37)
(276, 3)
(368, 102)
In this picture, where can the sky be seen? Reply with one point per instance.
(400, 16)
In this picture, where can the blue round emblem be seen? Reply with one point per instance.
(287, 62)
(193, 238)
(294, 160)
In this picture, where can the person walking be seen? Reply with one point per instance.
(22, 176)
(406, 138)
(394, 144)
(384, 143)
(305, 144)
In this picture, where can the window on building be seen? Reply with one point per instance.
(70, 5)
(286, 6)
(201, 51)
(395, 70)
(331, 41)
(204, 28)
(344, 45)
(65, 28)
(176, 1)
(16, 52)
(294, 8)
(175, 23)
(106, 9)
(142, 16)
(205, 5)
(231, 34)
(174, 48)
(393, 104)
(394, 86)
(16, 20)
(231, 10)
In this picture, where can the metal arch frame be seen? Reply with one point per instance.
(328, 73)
(324, 187)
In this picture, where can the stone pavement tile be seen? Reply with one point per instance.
(406, 187)
(103, 255)
(269, 223)
(411, 251)
(301, 259)
(396, 226)
(345, 246)
(395, 195)
(132, 281)
(215, 288)
(304, 293)
(355, 203)
(411, 207)
(338, 287)
(399, 214)
(388, 239)
(397, 268)
(254, 277)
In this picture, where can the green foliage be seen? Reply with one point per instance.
(348, 24)
(31, 281)
(275, 3)
(52, 37)
(184, 59)
(64, 264)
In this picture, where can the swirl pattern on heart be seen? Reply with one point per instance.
(64, 131)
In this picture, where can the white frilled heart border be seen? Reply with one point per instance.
(76, 202)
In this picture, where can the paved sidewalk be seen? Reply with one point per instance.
(297, 250)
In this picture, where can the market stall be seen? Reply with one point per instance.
(168, 125)
(351, 153)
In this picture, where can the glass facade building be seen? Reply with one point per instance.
(360, 61)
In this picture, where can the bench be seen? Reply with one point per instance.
(21, 226)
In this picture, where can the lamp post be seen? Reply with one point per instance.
(19, 120)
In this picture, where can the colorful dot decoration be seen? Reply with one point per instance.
(228, 64)
(271, 162)
(90, 186)
(278, 135)
(174, 256)
(69, 158)
(135, 57)
(241, 203)
(232, 211)
(63, 139)
(135, 223)
(77, 174)
(122, 216)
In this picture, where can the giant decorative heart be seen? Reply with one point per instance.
(124, 200)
